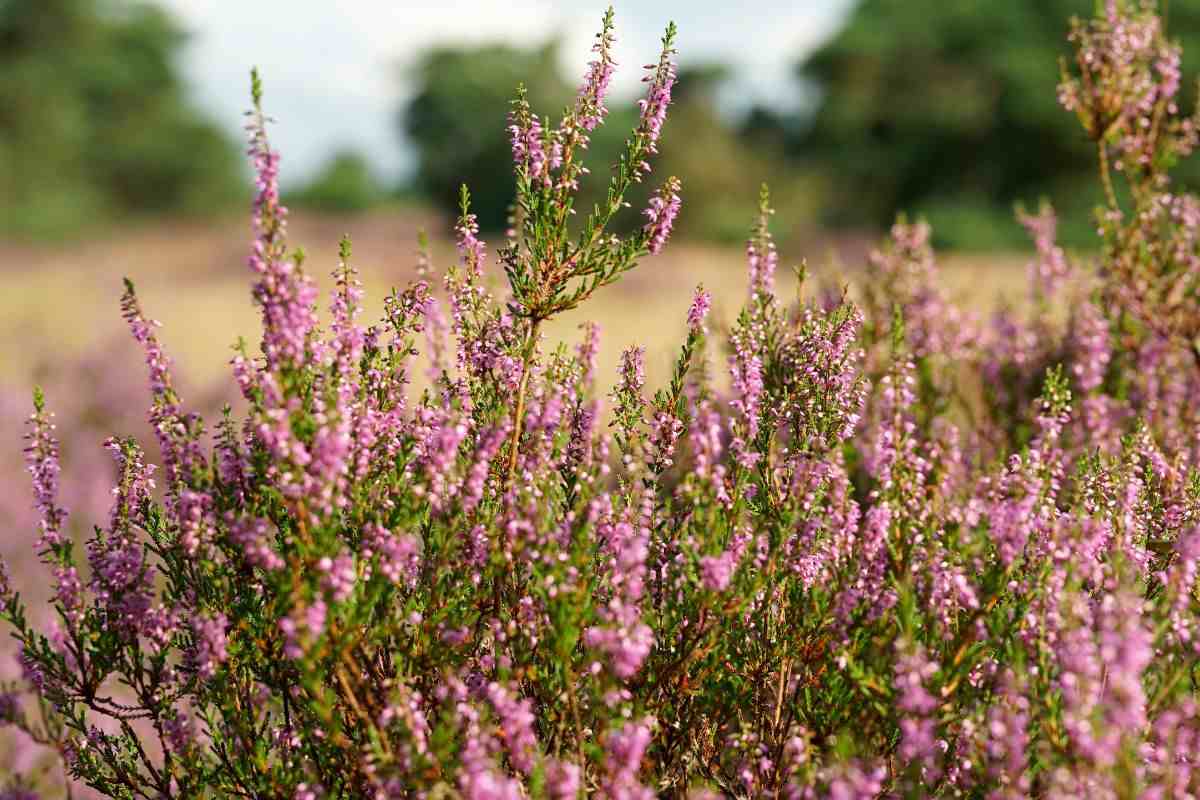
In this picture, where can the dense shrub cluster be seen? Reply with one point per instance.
(902, 552)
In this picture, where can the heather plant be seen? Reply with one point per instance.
(901, 552)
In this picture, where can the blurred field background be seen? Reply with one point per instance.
(120, 155)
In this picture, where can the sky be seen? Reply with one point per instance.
(334, 71)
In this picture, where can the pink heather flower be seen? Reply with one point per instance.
(627, 396)
(705, 439)
(1007, 741)
(661, 212)
(306, 791)
(440, 434)
(633, 370)
(194, 513)
(285, 294)
(588, 350)
(41, 456)
(717, 571)
(517, 721)
(1092, 346)
(856, 782)
(529, 147)
(399, 554)
(179, 733)
(627, 643)
(746, 371)
(624, 637)
(338, 576)
(177, 435)
(563, 780)
(1126, 649)
(762, 260)
(143, 332)
(624, 749)
(472, 251)
(698, 312)
(658, 98)
(122, 580)
(210, 641)
(917, 727)
(302, 628)
(252, 535)
(665, 430)
(1050, 269)
(589, 106)
(1182, 581)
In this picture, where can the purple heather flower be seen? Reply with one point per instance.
(624, 749)
(399, 554)
(285, 294)
(917, 727)
(660, 213)
(253, 536)
(529, 147)
(517, 720)
(208, 634)
(1093, 348)
(563, 779)
(1050, 269)
(717, 571)
(762, 260)
(658, 98)
(472, 251)
(698, 312)
(42, 458)
(302, 627)
(338, 576)
(589, 106)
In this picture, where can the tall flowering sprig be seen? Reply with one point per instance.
(179, 435)
(54, 549)
(762, 259)
(669, 408)
(122, 577)
(658, 98)
(284, 293)
(42, 458)
(549, 269)
(1050, 269)
(590, 108)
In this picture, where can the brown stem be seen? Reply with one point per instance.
(519, 413)
(1106, 176)
(574, 706)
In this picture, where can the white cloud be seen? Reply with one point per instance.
(334, 68)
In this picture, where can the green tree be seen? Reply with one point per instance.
(94, 121)
(948, 109)
(344, 184)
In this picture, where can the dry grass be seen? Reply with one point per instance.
(60, 302)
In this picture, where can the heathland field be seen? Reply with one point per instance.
(61, 302)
